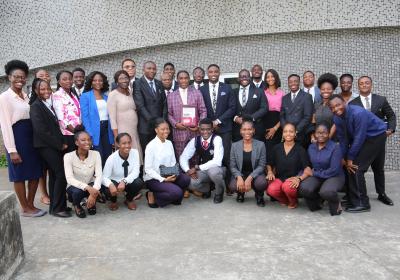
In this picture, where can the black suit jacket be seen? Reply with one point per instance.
(298, 112)
(381, 108)
(149, 106)
(263, 85)
(256, 107)
(46, 130)
(226, 106)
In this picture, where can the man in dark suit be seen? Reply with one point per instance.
(221, 107)
(256, 75)
(129, 65)
(381, 108)
(297, 108)
(170, 69)
(198, 77)
(250, 101)
(309, 86)
(150, 102)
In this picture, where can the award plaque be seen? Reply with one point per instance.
(189, 116)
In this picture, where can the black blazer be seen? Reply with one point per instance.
(46, 130)
(226, 106)
(256, 107)
(149, 106)
(263, 85)
(298, 112)
(381, 108)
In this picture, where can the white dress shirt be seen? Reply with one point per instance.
(364, 101)
(294, 93)
(311, 91)
(79, 91)
(211, 86)
(184, 95)
(190, 150)
(102, 108)
(158, 153)
(257, 84)
(197, 86)
(113, 169)
(49, 104)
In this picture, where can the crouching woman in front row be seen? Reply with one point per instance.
(83, 173)
(121, 173)
(164, 188)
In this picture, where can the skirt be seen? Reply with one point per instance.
(31, 167)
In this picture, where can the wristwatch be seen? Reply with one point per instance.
(124, 180)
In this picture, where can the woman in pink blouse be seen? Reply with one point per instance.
(274, 94)
(67, 108)
(24, 163)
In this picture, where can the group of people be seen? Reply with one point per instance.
(95, 140)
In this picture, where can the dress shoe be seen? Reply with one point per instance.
(113, 206)
(260, 200)
(68, 209)
(197, 193)
(240, 197)
(218, 198)
(63, 214)
(79, 212)
(130, 204)
(385, 199)
(229, 192)
(272, 199)
(358, 209)
(151, 205)
(207, 195)
(92, 211)
(176, 203)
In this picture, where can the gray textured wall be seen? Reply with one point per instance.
(371, 51)
(45, 32)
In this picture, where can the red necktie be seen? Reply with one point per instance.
(205, 144)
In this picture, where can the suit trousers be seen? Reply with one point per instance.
(313, 189)
(145, 139)
(57, 182)
(131, 190)
(371, 151)
(169, 192)
(104, 147)
(214, 175)
(282, 192)
(259, 184)
(75, 195)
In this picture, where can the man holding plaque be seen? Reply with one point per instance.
(185, 109)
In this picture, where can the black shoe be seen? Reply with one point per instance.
(229, 192)
(260, 200)
(385, 199)
(63, 214)
(151, 205)
(79, 212)
(207, 195)
(68, 209)
(272, 199)
(240, 197)
(358, 209)
(176, 203)
(218, 198)
(92, 211)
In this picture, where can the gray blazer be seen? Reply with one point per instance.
(258, 157)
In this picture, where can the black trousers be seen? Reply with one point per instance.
(227, 143)
(57, 181)
(131, 189)
(145, 139)
(378, 167)
(75, 195)
(370, 152)
(104, 147)
(314, 189)
(69, 140)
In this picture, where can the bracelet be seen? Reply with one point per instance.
(298, 177)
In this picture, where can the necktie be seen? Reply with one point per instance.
(214, 101)
(367, 103)
(205, 144)
(151, 83)
(293, 96)
(125, 165)
(244, 97)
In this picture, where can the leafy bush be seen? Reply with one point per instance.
(3, 161)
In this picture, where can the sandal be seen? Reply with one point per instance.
(130, 204)
(113, 206)
(80, 213)
(151, 205)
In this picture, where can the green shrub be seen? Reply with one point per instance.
(3, 161)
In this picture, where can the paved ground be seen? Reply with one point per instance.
(200, 240)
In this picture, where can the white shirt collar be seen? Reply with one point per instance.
(297, 92)
(212, 85)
